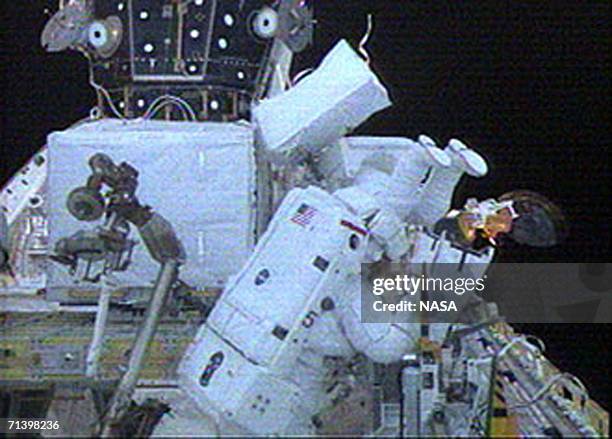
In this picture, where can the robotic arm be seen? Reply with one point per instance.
(121, 209)
(110, 193)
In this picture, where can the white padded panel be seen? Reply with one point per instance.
(199, 176)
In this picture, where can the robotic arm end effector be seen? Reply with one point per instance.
(119, 208)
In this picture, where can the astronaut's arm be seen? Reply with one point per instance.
(387, 235)
(381, 342)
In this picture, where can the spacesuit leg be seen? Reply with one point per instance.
(438, 193)
(309, 372)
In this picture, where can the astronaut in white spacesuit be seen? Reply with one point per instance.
(256, 366)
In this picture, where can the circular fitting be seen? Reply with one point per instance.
(98, 34)
(85, 204)
(327, 304)
(105, 36)
(265, 23)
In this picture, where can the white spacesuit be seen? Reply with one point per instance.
(256, 365)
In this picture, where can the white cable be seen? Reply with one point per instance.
(297, 78)
(187, 106)
(365, 39)
(181, 103)
(100, 89)
(163, 105)
(158, 104)
(540, 342)
(522, 339)
(548, 386)
(164, 100)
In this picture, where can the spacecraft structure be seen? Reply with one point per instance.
(187, 259)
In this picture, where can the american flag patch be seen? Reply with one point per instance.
(304, 215)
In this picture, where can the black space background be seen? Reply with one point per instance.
(525, 83)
